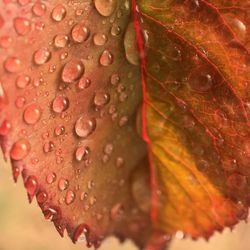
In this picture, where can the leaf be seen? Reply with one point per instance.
(195, 66)
(75, 75)
(69, 100)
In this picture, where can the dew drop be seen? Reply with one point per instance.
(48, 147)
(83, 83)
(58, 13)
(63, 184)
(32, 114)
(20, 149)
(72, 71)
(22, 81)
(115, 30)
(82, 153)
(50, 178)
(101, 99)
(22, 26)
(60, 41)
(5, 41)
(39, 8)
(42, 56)
(70, 197)
(20, 101)
(60, 104)
(105, 7)
(12, 64)
(80, 33)
(99, 39)
(106, 58)
(108, 149)
(59, 130)
(85, 127)
(42, 197)
(31, 185)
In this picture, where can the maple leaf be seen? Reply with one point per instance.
(128, 117)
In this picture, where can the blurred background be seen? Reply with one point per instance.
(22, 227)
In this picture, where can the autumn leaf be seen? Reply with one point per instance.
(128, 118)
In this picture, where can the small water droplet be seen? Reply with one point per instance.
(82, 153)
(100, 39)
(101, 99)
(42, 56)
(48, 147)
(85, 127)
(60, 41)
(22, 25)
(72, 71)
(60, 104)
(84, 83)
(31, 185)
(22, 81)
(39, 8)
(106, 58)
(12, 64)
(59, 130)
(50, 178)
(20, 149)
(105, 7)
(63, 184)
(70, 197)
(32, 114)
(42, 197)
(58, 13)
(80, 33)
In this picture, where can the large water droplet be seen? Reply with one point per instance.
(80, 33)
(20, 149)
(105, 7)
(42, 56)
(72, 70)
(100, 39)
(32, 114)
(84, 126)
(39, 8)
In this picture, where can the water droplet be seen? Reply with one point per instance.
(81, 232)
(31, 185)
(32, 114)
(70, 197)
(12, 64)
(5, 127)
(202, 82)
(5, 41)
(22, 81)
(105, 7)
(131, 50)
(100, 39)
(20, 101)
(63, 184)
(42, 197)
(101, 99)
(59, 130)
(115, 30)
(82, 153)
(42, 56)
(60, 104)
(50, 178)
(80, 33)
(106, 58)
(72, 71)
(60, 41)
(108, 149)
(22, 25)
(114, 79)
(20, 149)
(85, 127)
(48, 147)
(84, 83)
(119, 162)
(39, 8)
(58, 13)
